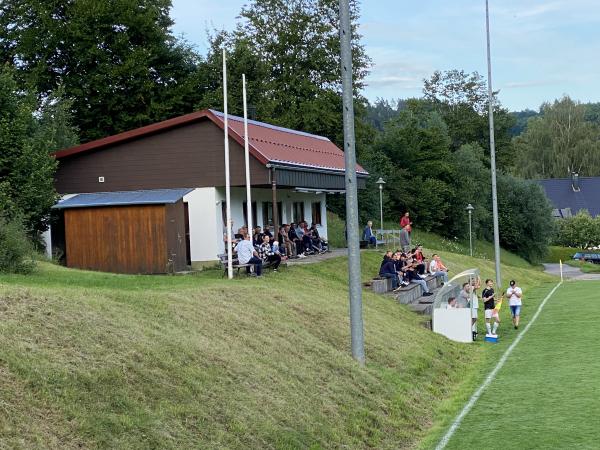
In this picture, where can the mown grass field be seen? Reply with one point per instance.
(546, 395)
(91, 360)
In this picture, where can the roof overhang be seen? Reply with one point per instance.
(123, 198)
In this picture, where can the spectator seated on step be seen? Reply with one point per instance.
(401, 268)
(268, 255)
(438, 269)
(302, 234)
(414, 277)
(388, 270)
(318, 243)
(288, 246)
(368, 234)
(387, 257)
(248, 255)
(418, 256)
(293, 235)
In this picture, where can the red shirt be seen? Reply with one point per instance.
(404, 221)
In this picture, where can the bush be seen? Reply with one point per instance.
(16, 252)
(580, 231)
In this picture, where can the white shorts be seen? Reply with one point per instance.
(474, 313)
(489, 313)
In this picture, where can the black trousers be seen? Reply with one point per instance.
(275, 260)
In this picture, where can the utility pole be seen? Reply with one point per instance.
(355, 288)
(493, 151)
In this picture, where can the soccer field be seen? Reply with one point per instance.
(547, 395)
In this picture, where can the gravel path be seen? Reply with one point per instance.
(570, 273)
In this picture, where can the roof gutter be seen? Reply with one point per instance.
(279, 165)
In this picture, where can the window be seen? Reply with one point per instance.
(267, 213)
(254, 215)
(316, 213)
(297, 212)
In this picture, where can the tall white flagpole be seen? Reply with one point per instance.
(227, 181)
(247, 157)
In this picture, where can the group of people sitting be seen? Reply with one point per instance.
(404, 268)
(260, 248)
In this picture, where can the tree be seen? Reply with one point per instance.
(116, 59)
(298, 44)
(462, 101)
(413, 155)
(525, 217)
(559, 142)
(580, 230)
(28, 133)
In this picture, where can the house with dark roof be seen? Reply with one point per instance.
(166, 182)
(571, 195)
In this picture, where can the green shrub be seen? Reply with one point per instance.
(556, 254)
(16, 251)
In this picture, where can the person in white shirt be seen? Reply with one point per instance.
(515, 295)
(438, 269)
(248, 255)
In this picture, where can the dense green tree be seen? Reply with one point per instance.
(413, 155)
(580, 230)
(380, 112)
(558, 142)
(462, 100)
(525, 217)
(116, 59)
(28, 133)
(297, 44)
(521, 119)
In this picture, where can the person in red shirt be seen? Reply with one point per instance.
(405, 220)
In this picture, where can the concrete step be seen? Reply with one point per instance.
(421, 308)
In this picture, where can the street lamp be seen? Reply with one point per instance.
(470, 209)
(380, 182)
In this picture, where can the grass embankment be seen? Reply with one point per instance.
(481, 249)
(92, 360)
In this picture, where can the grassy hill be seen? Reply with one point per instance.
(92, 360)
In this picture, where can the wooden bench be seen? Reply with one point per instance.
(236, 264)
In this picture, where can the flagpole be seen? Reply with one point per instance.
(227, 180)
(247, 157)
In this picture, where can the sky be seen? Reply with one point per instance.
(541, 49)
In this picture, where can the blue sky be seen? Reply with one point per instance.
(541, 49)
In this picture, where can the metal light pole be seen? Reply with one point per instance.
(355, 288)
(493, 151)
(470, 209)
(380, 182)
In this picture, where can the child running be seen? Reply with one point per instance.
(488, 305)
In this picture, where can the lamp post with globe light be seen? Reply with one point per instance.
(470, 209)
(380, 182)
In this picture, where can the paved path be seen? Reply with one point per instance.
(570, 273)
(336, 252)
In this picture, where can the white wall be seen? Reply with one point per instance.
(202, 210)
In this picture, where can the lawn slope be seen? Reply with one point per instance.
(91, 360)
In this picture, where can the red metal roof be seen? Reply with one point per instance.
(268, 143)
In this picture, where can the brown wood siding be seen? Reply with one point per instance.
(124, 239)
(189, 156)
(176, 243)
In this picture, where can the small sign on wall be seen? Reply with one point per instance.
(100, 179)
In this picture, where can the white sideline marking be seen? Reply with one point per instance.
(444, 441)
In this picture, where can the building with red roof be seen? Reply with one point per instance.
(138, 169)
